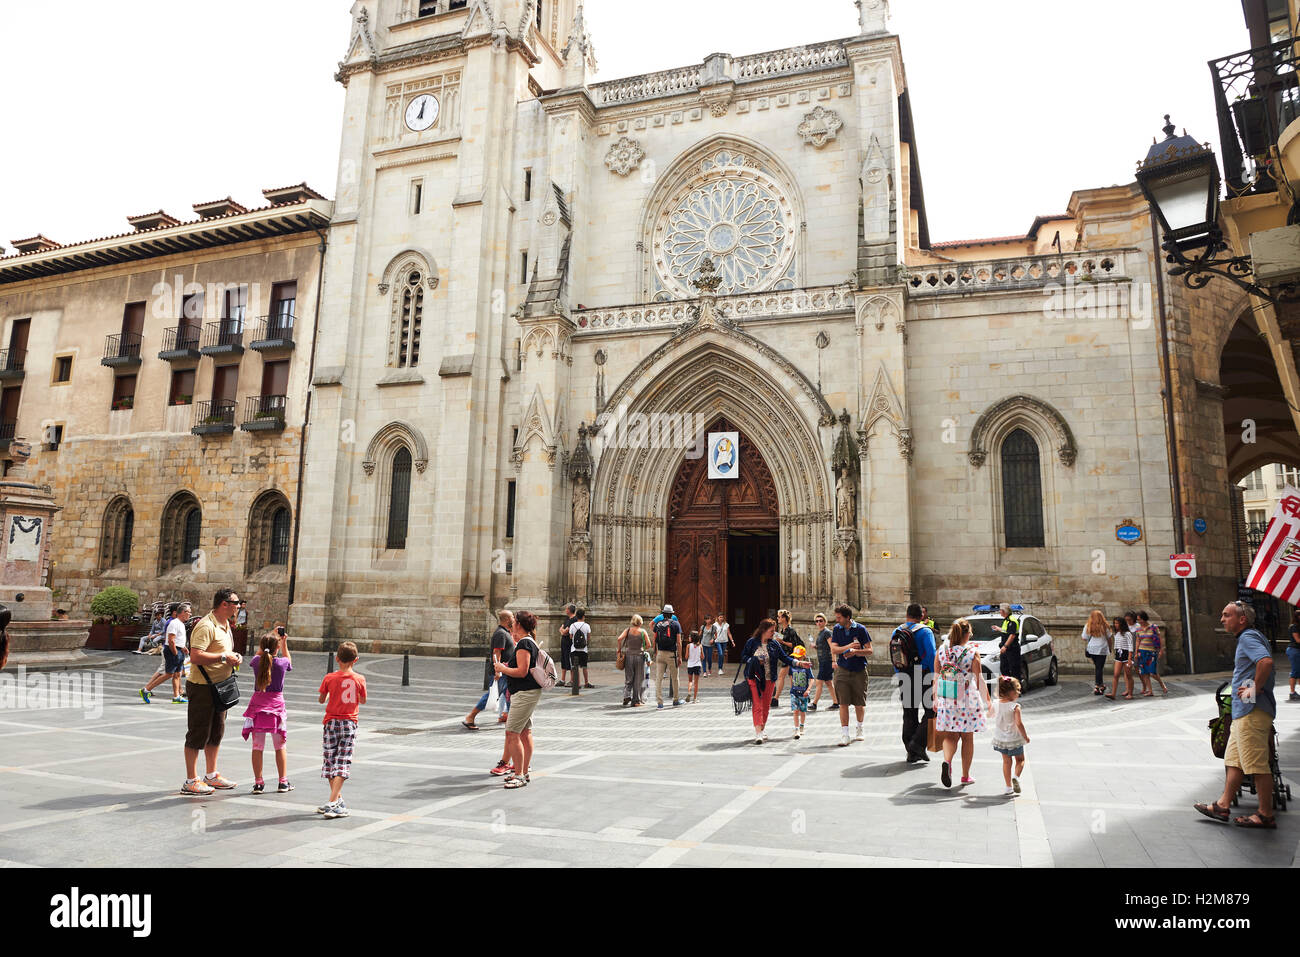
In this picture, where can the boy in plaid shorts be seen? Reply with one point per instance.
(341, 692)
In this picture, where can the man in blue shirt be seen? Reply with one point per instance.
(1253, 711)
(852, 643)
(915, 686)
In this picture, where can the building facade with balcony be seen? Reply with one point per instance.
(538, 284)
(161, 380)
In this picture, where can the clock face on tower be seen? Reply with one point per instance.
(422, 112)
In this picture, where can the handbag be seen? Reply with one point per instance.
(932, 737)
(741, 695)
(620, 662)
(494, 697)
(225, 693)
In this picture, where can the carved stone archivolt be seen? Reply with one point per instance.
(391, 437)
(1039, 417)
(406, 260)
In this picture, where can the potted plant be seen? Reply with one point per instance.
(184, 400)
(128, 402)
(112, 612)
(1251, 116)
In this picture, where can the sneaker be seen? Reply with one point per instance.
(661, 706)
(626, 702)
(765, 734)
(945, 774)
(503, 767)
(195, 787)
(323, 808)
(561, 684)
(284, 788)
(589, 685)
(860, 736)
(812, 707)
(259, 787)
(335, 810)
(218, 782)
(844, 738)
(678, 704)
(1294, 697)
(145, 696)
(181, 700)
(797, 734)
(1015, 785)
(758, 739)
(1010, 792)
(966, 781)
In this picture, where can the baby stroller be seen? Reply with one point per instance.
(1219, 728)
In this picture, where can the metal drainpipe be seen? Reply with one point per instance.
(1176, 485)
(306, 417)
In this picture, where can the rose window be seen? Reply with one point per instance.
(737, 216)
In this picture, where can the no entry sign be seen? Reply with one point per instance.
(1182, 566)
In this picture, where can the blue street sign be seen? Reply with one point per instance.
(1128, 533)
(1200, 526)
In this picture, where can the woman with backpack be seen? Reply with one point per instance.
(633, 646)
(525, 693)
(961, 700)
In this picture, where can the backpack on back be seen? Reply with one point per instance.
(579, 636)
(903, 654)
(665, 640)
(543, 670)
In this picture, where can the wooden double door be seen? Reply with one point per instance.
(723, 544)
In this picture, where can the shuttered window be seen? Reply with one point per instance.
(399, 499)
(1022, 491)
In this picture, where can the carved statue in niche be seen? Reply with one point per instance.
(581, 505)
(846, 497)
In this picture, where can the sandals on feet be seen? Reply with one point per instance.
(1213, 811)
(469, 727)
(515, 781)
(1257, 821)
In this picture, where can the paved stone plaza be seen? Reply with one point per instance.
(1108, 784)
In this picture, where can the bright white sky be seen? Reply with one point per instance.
(114, 109)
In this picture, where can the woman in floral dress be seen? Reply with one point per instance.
(961, 700)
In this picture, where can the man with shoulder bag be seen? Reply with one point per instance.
(212, 691)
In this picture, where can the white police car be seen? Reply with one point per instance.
(1037, 654)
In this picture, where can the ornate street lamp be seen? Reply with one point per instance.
(1180, 179)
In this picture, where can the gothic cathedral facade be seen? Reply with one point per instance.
(540, 290)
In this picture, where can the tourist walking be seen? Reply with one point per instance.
(1293, 653)
(498, 650)
(525, 693)
(707, 635)
(825, 662)
(852, 642)
(1158, 646)
(911, 652)
(1098, 648)
(633, 646)
(760, 658)
(173, 659)
(961, 700)
(1253, 711)
(790, 640)
(1009, 734)
(668, 654)
(566, 645)
(342, 692)
(722, 641)
(800, 685)
(1145, 643)
(694, 666)
(266, 712)
(1123, 642)
(212, 652)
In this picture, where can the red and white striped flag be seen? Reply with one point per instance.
(1276, 570)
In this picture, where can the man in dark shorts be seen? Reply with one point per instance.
(212, 650)
(580, 637)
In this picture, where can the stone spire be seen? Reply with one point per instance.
(579, 53)
(873, 16)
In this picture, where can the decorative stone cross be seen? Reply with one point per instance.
(873, 16)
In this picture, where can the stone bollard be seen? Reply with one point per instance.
(330, 669)
(406, 670)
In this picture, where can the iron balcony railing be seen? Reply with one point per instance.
(7, 430)
(1255, 532)
(272, 332)
(214, 415)
(226, 335)
(11, 363)
(122, 349)
(181, 339)
(264, 413)
(1256, 94)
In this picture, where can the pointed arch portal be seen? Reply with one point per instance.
(724, 542)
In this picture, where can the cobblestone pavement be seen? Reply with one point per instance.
(1107, 784)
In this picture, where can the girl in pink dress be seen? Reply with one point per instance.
(266, 713)
(961, 700)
